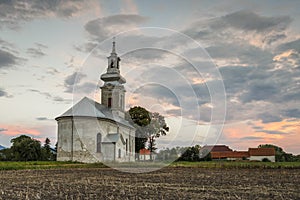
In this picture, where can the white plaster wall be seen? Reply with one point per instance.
(260, 158)
(85, 140)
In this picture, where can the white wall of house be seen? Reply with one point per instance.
(260, 158)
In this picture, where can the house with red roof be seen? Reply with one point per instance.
(223, 152)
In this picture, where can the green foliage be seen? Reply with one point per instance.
(149, 126)
(280, 155)
(193, 154)
(265, 160)
(139, 118)
(25, 148)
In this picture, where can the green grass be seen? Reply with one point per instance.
(7, 165)
(241, 164)
(211, 164)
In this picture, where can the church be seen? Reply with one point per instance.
(93, 132)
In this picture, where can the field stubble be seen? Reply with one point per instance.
(167, 183)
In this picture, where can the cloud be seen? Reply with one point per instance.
(268, 118)
(105, 27)
(35, 52)
(272, 132)
(3, 93)
(74, 78)
(241, 27)
(8, 59)
(13, 13)
(251, 138)
(42, 119)
(72, 81)
(3, 129)
(247, 20)
(49, 96)
(293, 113)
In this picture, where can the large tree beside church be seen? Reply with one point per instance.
(149, 126)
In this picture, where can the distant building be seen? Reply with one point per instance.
(144, 154)
(262, 153)
(223, 152)
(92, 132)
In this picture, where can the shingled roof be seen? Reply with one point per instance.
(89, 108)
(261, 151)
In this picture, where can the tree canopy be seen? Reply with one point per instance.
(149, 126)
(280, 154)
(25, 148)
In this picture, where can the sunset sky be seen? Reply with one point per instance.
(192, 61)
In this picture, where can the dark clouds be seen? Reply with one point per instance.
(105, 27)
(50, 96)
(257, 82)
(74, 78)
(247, 20)
(74, 84)
(37, 51)
(8, 59)
(2, 93)
(14, 12)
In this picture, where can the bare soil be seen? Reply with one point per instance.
(167, 183)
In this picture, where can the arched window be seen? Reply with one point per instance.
(119, 153)
(109, 103)
(99, 140)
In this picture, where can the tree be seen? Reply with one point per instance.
(156, 128)
(46, 150)
(193, 154)
(24, 148)
(139, 118)
(280, 155)
(149, 126)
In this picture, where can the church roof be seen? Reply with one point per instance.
(87, 107)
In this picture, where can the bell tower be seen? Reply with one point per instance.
(113, 91)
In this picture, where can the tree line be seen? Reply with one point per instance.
(192, 154)
(25, 148)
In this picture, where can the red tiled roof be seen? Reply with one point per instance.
(144, 152)
(233, 154)
(261, 151)
(218, 148)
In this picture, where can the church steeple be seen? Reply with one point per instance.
(114, 46)
(113, 91)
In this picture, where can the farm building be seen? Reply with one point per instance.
(92, 132)
(144, 154)
(223, 152)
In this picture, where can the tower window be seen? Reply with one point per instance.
(109, 102)
(99, 140)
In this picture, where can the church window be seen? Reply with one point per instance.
(119, 153)
(109, 102)
(99, 140)
(126, 145)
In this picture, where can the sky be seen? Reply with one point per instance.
(221, 72)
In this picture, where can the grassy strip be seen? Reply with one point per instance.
(211, 164)
(234, 164)
(46, 165)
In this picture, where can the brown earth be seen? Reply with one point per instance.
(168, 183)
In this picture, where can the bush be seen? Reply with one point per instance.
(266, 160)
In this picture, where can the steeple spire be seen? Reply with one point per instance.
(114, 46)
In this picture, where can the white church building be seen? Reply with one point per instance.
(93, 132)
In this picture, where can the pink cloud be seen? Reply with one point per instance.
(241, 136)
